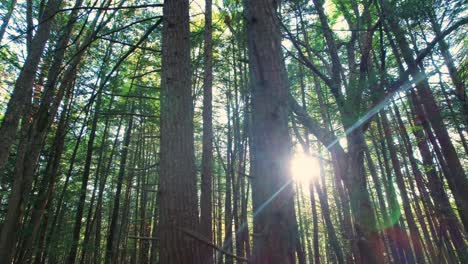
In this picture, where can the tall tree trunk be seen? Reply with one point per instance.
(112, 242)
(424, 195)
(206, 205)
(275, 228)
(177, 181)
(58, 212)
(84, 183)
(229, 172)
(99, 174)
(396, 236)
(447, 218)
(415, 239)
(143, 226)
(457, 177)
(369, 242)
(44, 197)
(21, 95)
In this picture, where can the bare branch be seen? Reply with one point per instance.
(110, 8)
(201, 238)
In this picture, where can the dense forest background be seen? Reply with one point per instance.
(266, 131)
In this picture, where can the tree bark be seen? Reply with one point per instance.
(177, 182)
(206, 204)
(275, 228)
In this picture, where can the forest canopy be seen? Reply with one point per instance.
(222, 131)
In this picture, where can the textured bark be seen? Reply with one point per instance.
(177, 182)
(275, 229)
(42, 120)
(206, 204)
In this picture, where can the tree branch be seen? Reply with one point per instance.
(110, 8)
(325, 136)
(201, 238)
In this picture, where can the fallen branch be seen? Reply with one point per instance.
(201, 238)
(143, 238)
(110, 8)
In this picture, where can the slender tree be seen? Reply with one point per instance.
(206, 205)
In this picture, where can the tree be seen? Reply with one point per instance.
(206, 204)
(178, 211)
(275, 227)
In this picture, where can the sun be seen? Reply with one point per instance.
(304, 168)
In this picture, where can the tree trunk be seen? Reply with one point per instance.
(22, 93)
(446, 216)
(415, 240)
(112, 242)
(457, 177)
(46, 191)
(229, 171)
(275, 229)
(84, 183)
(368, 239)
(177, 182)
(206, 205)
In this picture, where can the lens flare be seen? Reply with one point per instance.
(304, 168)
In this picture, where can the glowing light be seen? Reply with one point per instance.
(304, 168)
